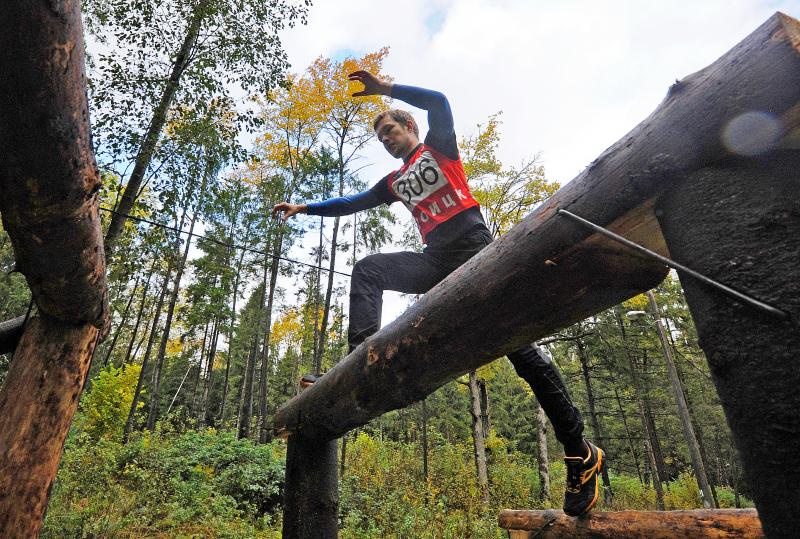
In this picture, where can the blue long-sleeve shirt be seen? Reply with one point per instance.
(441, 136)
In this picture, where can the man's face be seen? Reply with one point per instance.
(398, 139)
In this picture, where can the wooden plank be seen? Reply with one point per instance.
(547, 273)
(700, 523)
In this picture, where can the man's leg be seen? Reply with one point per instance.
(584, 460)
(412, 273)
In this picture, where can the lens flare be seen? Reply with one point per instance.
(752, 133)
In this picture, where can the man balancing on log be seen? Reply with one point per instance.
(431, 183)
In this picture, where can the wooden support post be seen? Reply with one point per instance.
(311, 490)
(716, 523)
(739, 223)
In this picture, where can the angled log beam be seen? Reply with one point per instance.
(552, 524)
(547, 273)
(48, 200)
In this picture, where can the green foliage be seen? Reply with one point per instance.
(104, 409)
(197, 484)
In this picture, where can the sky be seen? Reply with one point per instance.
(571, 77)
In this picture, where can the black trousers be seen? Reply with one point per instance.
(416, 273)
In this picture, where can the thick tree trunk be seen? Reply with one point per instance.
(49, 207)
(683, 408)
(739, 223)
(542, 456)
(716, 523)
(54, 359)
(477, 436)
(153, 133)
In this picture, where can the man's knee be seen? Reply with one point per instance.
(366, 272)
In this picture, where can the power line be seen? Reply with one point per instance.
(218, 242)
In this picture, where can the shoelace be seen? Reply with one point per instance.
(574, 473)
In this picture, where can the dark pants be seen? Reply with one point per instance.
(416, 273)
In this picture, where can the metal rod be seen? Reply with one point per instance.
(675, 265)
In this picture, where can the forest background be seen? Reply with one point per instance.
(200, 125)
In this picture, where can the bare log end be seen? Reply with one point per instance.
(553, 523)
(789, 30)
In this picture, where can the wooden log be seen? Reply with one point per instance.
(547, 272)
(311, 489)
(11, 333)
(38, 400)
(739, 223)
(716, 523)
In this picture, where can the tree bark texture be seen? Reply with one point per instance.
(504, 297)
(38, 400)
(542, 456)
(48, 176)
(739, 223)
(48, 200)
(478, 439)
(552, 523)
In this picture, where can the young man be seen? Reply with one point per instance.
(431, 183)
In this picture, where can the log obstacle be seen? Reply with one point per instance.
(700, 523)
(548, 272)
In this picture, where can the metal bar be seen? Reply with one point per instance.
(760, 305)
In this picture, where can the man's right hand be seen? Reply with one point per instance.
(288, 210)
(372, 84)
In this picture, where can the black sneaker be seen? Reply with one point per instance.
(583, 486)
(309, 379)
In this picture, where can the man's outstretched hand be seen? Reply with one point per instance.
(372, 84)
(288, 210)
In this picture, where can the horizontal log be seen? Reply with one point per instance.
(48, 177)
(552, 523)
(10, 333)
(547, 272)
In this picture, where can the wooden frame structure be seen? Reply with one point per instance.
(549, 272)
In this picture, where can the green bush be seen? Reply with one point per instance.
(203, 484)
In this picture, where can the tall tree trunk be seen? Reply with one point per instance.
(477, 436)
(202, 410)
(424, 410)
(200, 369)
(648, 449)
(246, 393)
(683, 408)
(628, 433)
(153, 133)
(598, 433)
(265, 432)
(231, 334)
(328, 294)
(486, 419)
(153, 332)
(135, 331)
(121, 323)
(152, 417)
(542, 457)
